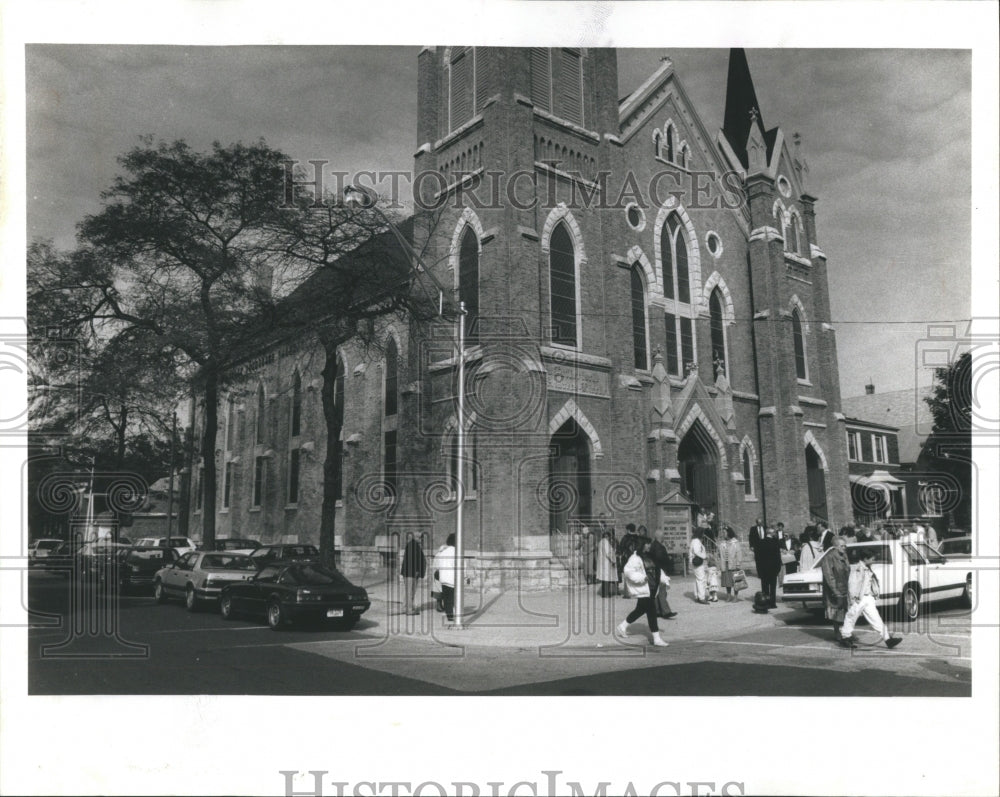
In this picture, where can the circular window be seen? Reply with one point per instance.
(714, 244)
(784, 186)
(635, 217)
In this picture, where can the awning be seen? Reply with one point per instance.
(882, 478)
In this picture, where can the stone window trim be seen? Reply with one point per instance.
(561, 214)
(571, 410)
(809, 439)
(641, 225)
(747, 447)
(671, 205)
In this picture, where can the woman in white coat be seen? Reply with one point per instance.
(444, 572)
(642, 575)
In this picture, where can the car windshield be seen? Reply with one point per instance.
(48, 545)
(882, 553)
(233, 544)
(301, 550)
(314, 574)
(221, 561)
(956, 546)
(929, 553)
(180, 542)
(146, 555)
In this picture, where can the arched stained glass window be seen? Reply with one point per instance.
(639, 347)
(562, 285)
(468, 283)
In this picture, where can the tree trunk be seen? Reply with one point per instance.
(333, 465)
(208, 474)
(120, 434)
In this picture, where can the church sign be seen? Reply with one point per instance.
(571, 378)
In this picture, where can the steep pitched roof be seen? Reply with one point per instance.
(742, 108)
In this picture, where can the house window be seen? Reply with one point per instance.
(557, 82)
(227, 487)
(468, 283)
(800, 346)
(297, 405)
(854, 446)
(338, 426)
(294, 459)
(718, 330)
(261, 415)
(391, 401)
(674, 261)
(562, 284)
(230, 423)
(259, 477)
(880, 451)
(639, 349)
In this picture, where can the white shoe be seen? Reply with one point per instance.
(659, 641)
(622, 628)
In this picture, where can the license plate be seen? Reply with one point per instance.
(334, 612)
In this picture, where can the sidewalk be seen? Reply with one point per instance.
(571, 618)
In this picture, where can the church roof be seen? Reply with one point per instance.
(742, 108)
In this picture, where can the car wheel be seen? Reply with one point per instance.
(967, 592)
(346, 624)
(159, 594)
(190, 599)
(275, 615)
(909, 603)
(226, 607)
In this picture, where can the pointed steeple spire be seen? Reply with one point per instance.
(742, 108)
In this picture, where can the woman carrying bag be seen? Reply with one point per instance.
(731, 563)
(642, 577)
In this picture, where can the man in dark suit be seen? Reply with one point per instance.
(755, 536)
(658, 553)
(768, 559)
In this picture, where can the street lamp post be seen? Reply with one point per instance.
(355, 196)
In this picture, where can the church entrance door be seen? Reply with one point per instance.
(569, 471)
(816, 478)
(697, 460)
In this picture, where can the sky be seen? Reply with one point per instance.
(879, 129)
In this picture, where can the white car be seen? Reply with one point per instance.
(911, 574)
(180, 544)
(198, 576)
(39, 550)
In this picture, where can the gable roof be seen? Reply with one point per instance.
(904, 409)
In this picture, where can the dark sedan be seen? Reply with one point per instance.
(296, 591)
(284, 552)
(137, 566)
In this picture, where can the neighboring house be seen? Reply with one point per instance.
(618, 352)
(886, 433)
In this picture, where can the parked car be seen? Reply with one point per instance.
(40, 549)
(93, 560)
(138, 566)
(911, 575)
(180, 544)
(198, 576)
(236, 545)
(293, 592)
(281, 552)
(60, 559)
(956, 548)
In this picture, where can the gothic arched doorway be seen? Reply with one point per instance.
(698, 463)
(569, 472)
(816, 478)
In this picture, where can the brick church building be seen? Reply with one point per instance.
(648, 325)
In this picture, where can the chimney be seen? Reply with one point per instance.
(869, 389)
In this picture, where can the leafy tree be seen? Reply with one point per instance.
(949, 446)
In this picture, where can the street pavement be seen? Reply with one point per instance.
(551, 642)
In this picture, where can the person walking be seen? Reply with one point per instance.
(730, 560)
(444, 571)
(808, 551)
(658, 553)
(698, 555)
(862, 587)
(642, 575)
(768, 566)
(607, 568)
(836, 571)
(413, 569)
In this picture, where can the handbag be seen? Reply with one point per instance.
(787, 557)
(697, 561)
(739, 580)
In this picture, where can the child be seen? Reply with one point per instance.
(713, 577)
